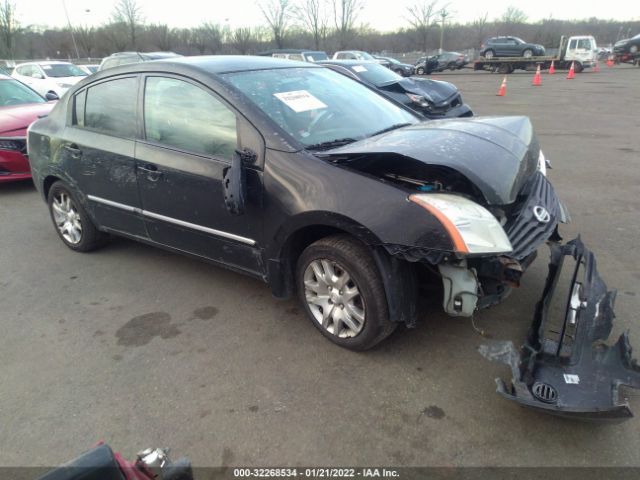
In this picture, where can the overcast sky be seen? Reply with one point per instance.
(379, 14)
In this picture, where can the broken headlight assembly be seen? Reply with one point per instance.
(419, 99)
(472, 228)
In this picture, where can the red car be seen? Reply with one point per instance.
(19, 106)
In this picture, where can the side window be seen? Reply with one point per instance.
(78, 108)
(182, 115)
(572, 45)
(111, 107)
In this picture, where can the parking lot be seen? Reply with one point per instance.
(140, 347)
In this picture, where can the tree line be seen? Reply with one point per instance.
(328, 25)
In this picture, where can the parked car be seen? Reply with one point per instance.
(19, 107)
(400, 68)
(430, 98)
(450, 61)
(124, 58)
(296, 54)
(426, 65)
(90, 68)
(510, 47)
(358, 55)
(49, 77)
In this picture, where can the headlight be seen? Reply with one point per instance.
(543, 163)
(419, 99)
(12, 145)
(472, 228)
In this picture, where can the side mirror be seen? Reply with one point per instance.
(51, 96)
(234, 182)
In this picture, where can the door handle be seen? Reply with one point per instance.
(153, 174)
(73, 149)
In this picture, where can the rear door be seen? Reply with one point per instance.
(189, 137)
(98, 151)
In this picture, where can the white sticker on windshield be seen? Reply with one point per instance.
(300, 101)
(358, 68)
(569, 378)
(46, 67)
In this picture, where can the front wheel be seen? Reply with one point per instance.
(420, 71)
(527, 53)
(73, 225)
(342, 293)
(489, 54)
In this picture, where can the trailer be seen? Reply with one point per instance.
(581, 51)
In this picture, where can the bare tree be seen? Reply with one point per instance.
(313, 16)
(479, 26)
(345, 13)
(8, 26)
(242, 39)
(86, 38)
(162, 36)
(116, 33)
(420, 18)
(129, 13)
(277, 13)
(513, 15)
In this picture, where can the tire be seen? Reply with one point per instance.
(365, 313)
(420, 71)
(577, 67)
(527, 53)
(489, 54)
(71, 221)
(633, 48)
(399, 72)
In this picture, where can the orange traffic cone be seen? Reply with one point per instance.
(537, 78)
(503, 88)
(552, 68)
(572, 72)
(596, 68)
(610, 61)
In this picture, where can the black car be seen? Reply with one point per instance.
(450, 61)
(312, 182)
(510, 47)
(426, 65)
(124, 58)
(430, 98)
(627, 50)
(400, 68)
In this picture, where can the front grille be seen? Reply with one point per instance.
(526, 227)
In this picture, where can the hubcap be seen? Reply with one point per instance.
(67, 218)
(333, 298)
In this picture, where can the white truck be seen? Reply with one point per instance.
(581, 50)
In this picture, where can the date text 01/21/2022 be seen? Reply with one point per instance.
(317, 472)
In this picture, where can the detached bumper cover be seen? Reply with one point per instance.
(565, 368)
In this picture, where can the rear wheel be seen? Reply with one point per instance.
(341, 291)
(72, 222)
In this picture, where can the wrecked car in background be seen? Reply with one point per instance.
(308, 180)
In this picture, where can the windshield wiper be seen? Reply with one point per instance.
(330, 144)
(392, 127)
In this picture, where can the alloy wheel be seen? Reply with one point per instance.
(67, 218)
(334, 298)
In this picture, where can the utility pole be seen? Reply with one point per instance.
(73, 38)
(443, 14)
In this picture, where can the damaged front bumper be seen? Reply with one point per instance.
(565, 368)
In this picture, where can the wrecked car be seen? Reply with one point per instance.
(301, 177)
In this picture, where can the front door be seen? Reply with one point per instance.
(98, 151)
(190, 135)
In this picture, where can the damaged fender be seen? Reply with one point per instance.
(566, 368)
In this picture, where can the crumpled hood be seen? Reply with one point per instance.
(15, 120)
(436, 91)
(497, 154)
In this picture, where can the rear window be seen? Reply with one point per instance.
(111, 107)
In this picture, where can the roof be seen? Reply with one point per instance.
(45, 62)
(290, 50)
(348, 63)
(231, 63)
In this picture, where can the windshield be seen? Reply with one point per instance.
(58, 70)
(13, 92)
(519, 40)
(375, 74)
(318, 105)
(315, 56)
(363, 56)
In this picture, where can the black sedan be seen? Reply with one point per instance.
(312, 182)
(430, 98)
(426, 65)
(627, 50)
(510, 47)
(400, 68)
